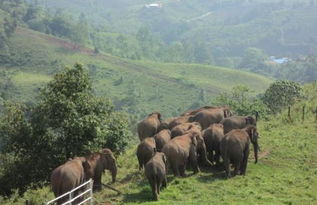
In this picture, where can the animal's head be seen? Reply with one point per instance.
(109, 162)
(195, 126)
(249, 120)
(157, 114)
(227, 112)
(254, 135)
(216, 125)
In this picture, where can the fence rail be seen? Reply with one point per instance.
(72, 198)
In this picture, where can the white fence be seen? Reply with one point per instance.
(71, 198)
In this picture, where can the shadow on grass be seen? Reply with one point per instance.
(214, 173)
(145, 195)
(129, 177)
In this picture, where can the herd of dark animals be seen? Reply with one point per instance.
(196, 138)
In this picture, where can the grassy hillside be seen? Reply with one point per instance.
(136, 86)
(285, 174)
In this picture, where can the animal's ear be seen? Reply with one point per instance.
(197, 124)
(248, 120)
(225, 113)
(251, 131)
(164, 158)
(194, 140)
(86, 165)
(159, 116)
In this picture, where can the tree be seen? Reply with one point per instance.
(68, 121)
(75, 116)
(254, 60)
(80, 32)
(241, 101)
(60, 25)
(281, 94)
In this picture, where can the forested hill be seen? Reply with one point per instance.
(135, 86)
(227, 26)
(232, 33)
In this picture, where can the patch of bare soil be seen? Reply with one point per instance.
(262, 154)
(56, 41)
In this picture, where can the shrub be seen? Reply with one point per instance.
(281, 94)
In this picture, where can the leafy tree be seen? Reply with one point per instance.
(80, 33)
(60, 25)
(241, 101)
(68, 121)
(302, 71)
(254, 60)
(281, 94)
(76, 117)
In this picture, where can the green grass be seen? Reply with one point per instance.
(145, 86)
(285, 174)
(287, 168)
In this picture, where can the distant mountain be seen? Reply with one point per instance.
(228, 27)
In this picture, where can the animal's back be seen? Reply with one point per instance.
(67, 176)
(234, 141)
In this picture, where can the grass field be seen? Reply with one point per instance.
(285, 174)
(140, 86)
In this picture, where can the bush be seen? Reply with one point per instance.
(281, 94)
(242, 102)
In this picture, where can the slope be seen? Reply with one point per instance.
(282, 28)
(285, 174)
(136, 86)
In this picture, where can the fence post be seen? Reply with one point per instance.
(91, 190)
(303, 116)
(289, 113)
(70, 197)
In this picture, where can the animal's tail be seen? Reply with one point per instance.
(154, 187)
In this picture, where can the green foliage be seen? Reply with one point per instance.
(236, 35)
(137, 87)
(281, 94)
(68, 121)
(285, 174)
(254, 60)
(8, 24)
(302, 70)
(16, 144)
(241, 101)
(76, 117)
